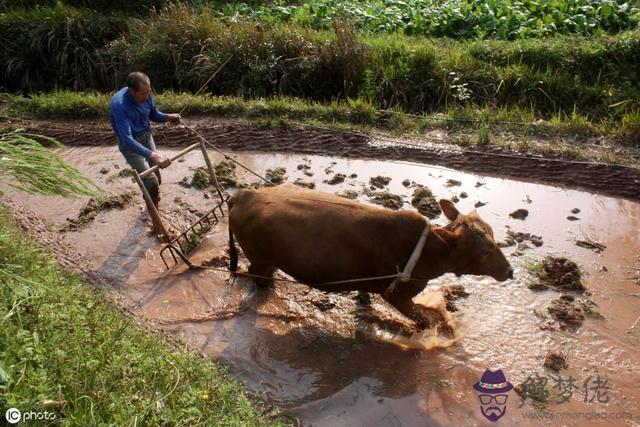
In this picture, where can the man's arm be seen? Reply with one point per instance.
(155, 114)
(123, 129)
(160, 117)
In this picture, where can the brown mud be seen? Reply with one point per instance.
(337, 359)
(559, 273)
(96, 205)
(555, 361)
(386, 199)
(422, 199)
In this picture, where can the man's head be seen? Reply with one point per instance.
(139, 86)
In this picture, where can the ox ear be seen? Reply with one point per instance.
(449, 209)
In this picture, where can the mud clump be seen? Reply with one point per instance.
(104, 171)
(451, 293)
(388, 200)
(453, 183)
(406, 183)
(535, 388)
(91, 210)
(572, 218)
(516, 237)
(300, 183)
(519, 214)
(337, 179)
(226, 174)
(323, 303)
(464, 195)
(479, 204)
(555, 361)
(306, 169)
(348, 194)
(124, 173)
(201, 178)
(559, 273)
(276, 175)
(564, 310)
(379, 181)
(423, 200)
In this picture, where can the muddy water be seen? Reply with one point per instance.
(321, 358)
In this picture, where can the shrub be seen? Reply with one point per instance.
(59, 47)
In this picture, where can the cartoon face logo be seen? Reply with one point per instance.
(493, 389)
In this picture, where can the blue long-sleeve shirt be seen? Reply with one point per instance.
(129, 119)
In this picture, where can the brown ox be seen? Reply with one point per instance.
(317, 237)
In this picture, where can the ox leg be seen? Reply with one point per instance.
(262, 270)
(401, 299)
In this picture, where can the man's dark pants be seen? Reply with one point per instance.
(140, 164)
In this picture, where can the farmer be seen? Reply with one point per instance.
(130, 111)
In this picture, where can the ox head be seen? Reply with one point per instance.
(473, 248)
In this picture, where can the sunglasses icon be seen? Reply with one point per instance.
(500, 399)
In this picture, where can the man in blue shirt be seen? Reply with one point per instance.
(131, 109)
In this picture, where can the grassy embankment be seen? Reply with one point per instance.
(473, 127)
(283, 71)
(66, 350)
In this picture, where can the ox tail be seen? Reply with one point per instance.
(233, 253)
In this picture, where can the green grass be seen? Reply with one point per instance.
(451, 18)
(515, 128)
(357, 112)
(180, 48)
(65, 349)
(36, 169)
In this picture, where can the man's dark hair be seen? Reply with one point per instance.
(136, 79)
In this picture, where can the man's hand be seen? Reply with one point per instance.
(174, 118)
(159, 159)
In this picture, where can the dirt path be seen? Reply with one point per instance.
(236, 135)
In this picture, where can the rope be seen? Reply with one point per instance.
(337, 282)
(405, 275)
(227, 157)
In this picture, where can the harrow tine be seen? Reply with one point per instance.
(182, 240)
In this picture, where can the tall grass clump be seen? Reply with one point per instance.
(181, 49)
(46, 48)
(38, 170)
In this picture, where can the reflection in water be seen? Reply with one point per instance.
(317, 355)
